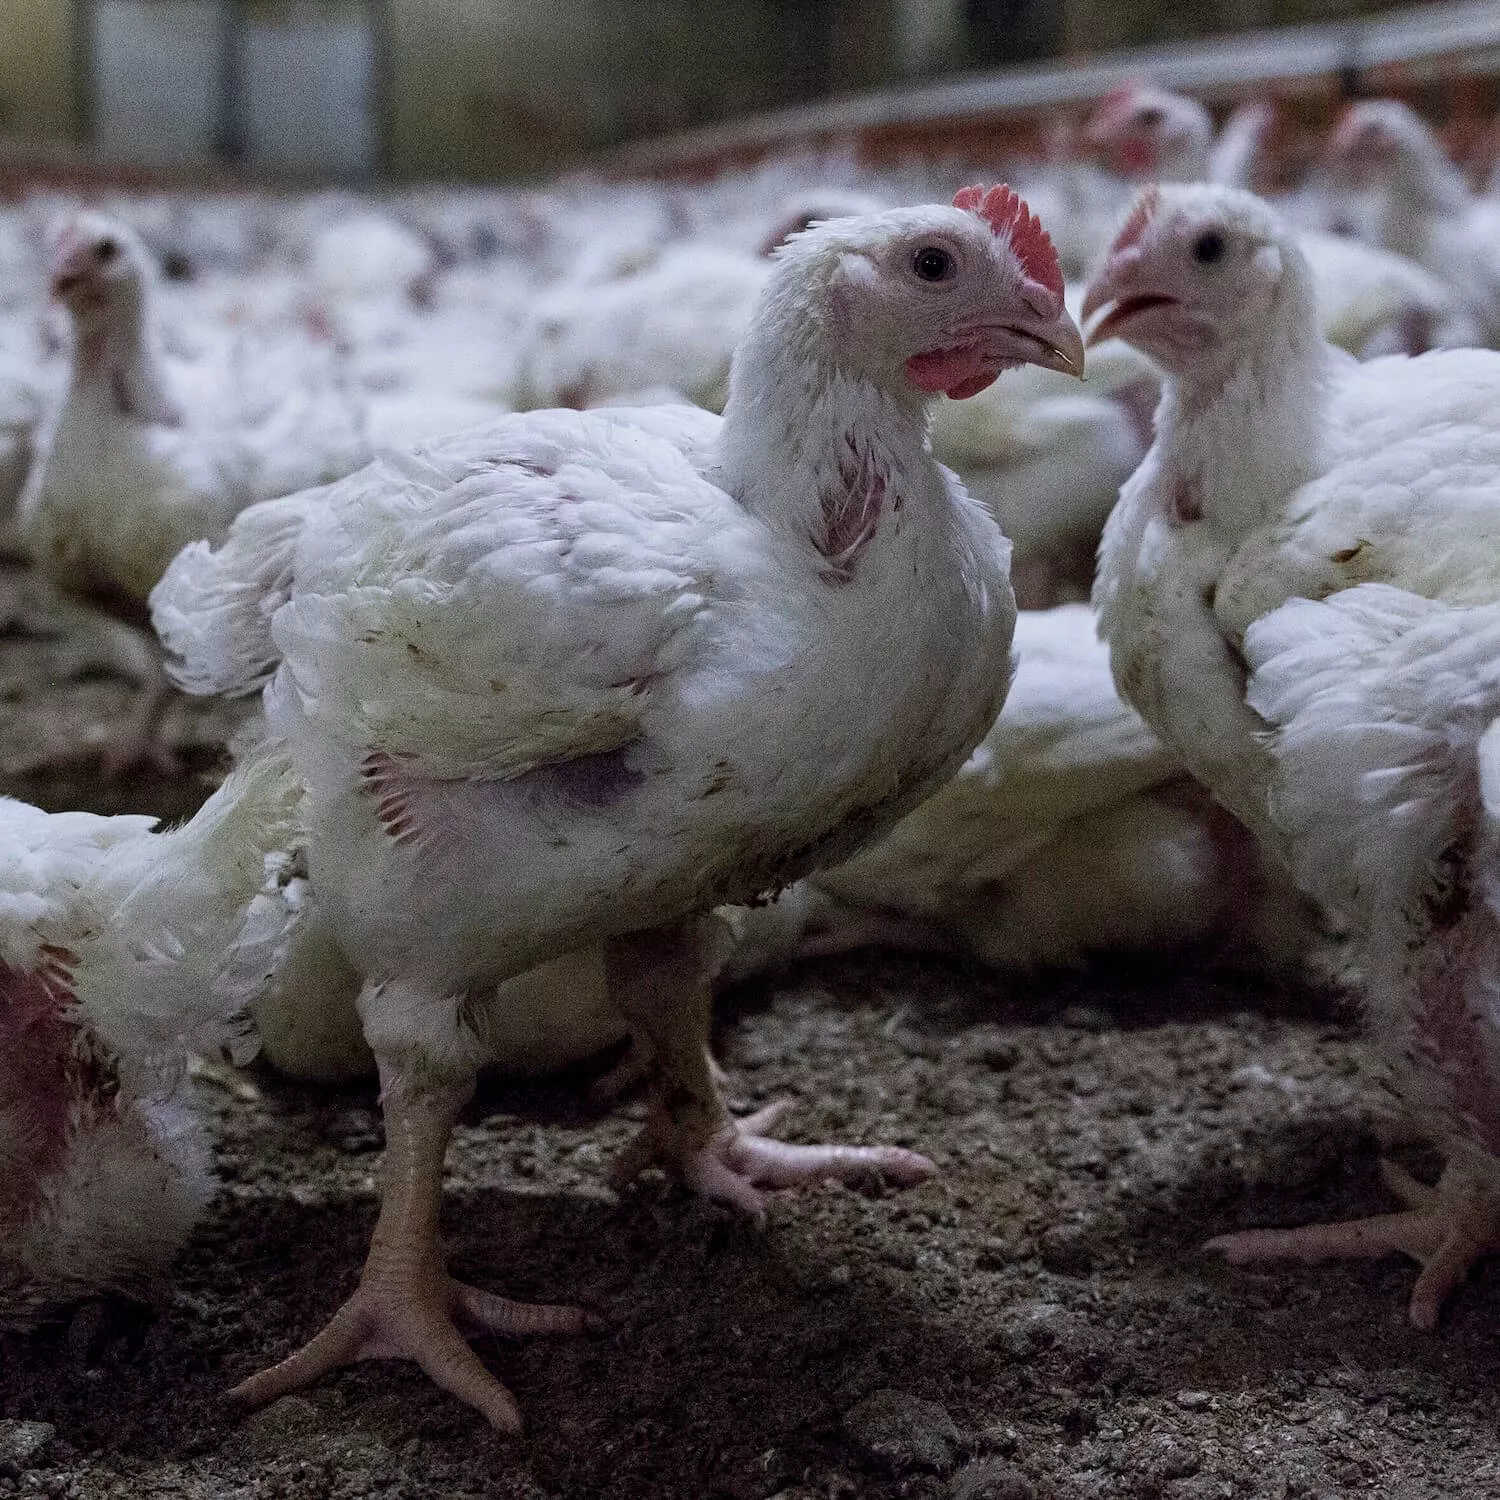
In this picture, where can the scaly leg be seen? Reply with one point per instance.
(1446, 1229)
(657, 978)
(406, 1305)
(633, 1070)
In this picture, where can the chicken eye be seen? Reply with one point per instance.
(106, 250)
(1209, 248)
(932, 264)
(1150, 118)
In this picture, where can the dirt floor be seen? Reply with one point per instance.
(1038, 1321)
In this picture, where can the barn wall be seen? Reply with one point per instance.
(37, 99)
(485, 87)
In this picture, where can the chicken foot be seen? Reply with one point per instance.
(658, 980)
(406, 1305)
(1446, 1229)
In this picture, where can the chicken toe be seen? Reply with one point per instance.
(742, 1158)
(657, 979)
(406, 1305)
(1447, 1229)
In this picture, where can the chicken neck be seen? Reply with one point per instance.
(795, 421)
(120, 357)
(1237, 436)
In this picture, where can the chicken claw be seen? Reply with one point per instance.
(657, 980)
(1446, 1229)
(739, 1159)
(406, 1305)
(405, 1311)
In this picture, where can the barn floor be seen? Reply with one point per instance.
(1036, 1322)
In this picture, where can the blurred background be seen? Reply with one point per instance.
(501, 89)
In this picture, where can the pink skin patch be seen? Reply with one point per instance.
(392, 790)
(1005, 211)
(852, 510)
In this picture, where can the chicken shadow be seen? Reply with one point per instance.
(729, 1353)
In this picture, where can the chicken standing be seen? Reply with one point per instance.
(121, 950)
(582, 676)
(149, 454)
(1282, 470)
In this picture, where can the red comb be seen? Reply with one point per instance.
(1005, 211)
(1115, 105)
(1117, 98)
(1140, 216)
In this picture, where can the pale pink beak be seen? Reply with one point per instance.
(1123, 292)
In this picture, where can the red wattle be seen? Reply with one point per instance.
(956, 372)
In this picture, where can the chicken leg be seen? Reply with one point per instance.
(658, 980)
(406, 1305)
(1446, 1228)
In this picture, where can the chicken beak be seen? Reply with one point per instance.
(1065, 348)
(1099, 292)
(1120, 293)
(1053, 343)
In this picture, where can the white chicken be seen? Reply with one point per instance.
(675, 323)
(671, 319)
(1070, 831)
(1387, 786)
(583, 676)
(1370, 301)
(1282, 470)
(148, 454)
(1150, 134)
(1424, 209)
(122, 950)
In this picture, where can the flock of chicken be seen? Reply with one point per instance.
(594, 558)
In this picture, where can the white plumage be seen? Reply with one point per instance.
(559, 679)
(122, 950)
(1048, 459)
(1070, 831)
(1283, 472)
